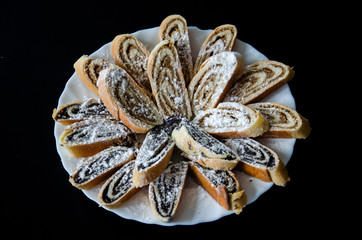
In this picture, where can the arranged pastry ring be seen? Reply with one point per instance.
(136, 199)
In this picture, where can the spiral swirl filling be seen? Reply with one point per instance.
(85, 110)
(135, 60)
(254, 81)
(137, 105)
(166, 189)
(119, 184)
(91, 131)
(155, 146)
(177, 30)
(220, 41)
(101, 163)
(93, 68)
(211, 85)
(280, 117)
(170, 85)
(252, 152)
(209, 142)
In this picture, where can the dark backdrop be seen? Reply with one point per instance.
(40, 43)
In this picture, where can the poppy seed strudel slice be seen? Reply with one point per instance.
(86, 138)
(165, 192)
(100, 166)
(259, 161)
(118, 188)
(80, 110)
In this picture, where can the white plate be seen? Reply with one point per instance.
(196, 205)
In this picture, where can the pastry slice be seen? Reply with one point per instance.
(96, 168)
(175, 27)
(284, 121)
(88, 69)
(127, 101)
(211, 83)
(86, 138)
(80, 110)
(232, 120)
(259, 161)
(259, 80)
(167, 81)
(129, 53)
(222, 186)
(118, 188)
(153, 156)
(220, 40)
(201, 147)
(165, 192)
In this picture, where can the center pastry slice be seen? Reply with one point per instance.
(167, 81)
(165, 192)
(202, 148)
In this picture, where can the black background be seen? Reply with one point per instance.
(40, 43)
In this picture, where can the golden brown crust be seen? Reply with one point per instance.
(220, 39)
(88, 68)
(229, 200)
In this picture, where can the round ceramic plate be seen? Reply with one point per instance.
(196, 206)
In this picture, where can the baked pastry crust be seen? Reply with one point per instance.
(284, 121)
(167, 81)
(175, 27)
(81, 110)
(88, 69)
(211, 83)
(98, 167)
(130, 54)
(153, 156)
(165, 192)
(258, 160)
(86, 138)
(118, 188)
(222, 186)
(202, 148)
(127, 101)
(258, 80)
(219, 40)
(232, 120)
